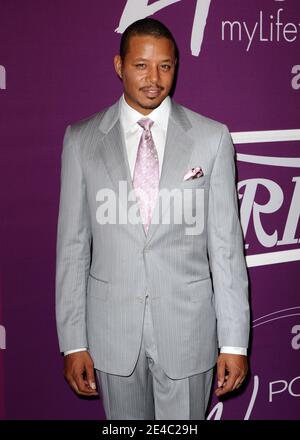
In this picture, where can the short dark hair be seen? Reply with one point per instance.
(146, 26)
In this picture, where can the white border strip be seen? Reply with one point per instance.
(252, 137)
(273, 258)
(291, 162)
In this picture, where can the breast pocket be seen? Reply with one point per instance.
(98, 288)
(195, 183)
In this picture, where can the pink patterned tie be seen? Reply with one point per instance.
(146, 173)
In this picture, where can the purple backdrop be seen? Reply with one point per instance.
(56, 68)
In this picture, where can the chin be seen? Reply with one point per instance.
(151, 104)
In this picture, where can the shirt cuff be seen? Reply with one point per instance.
(75, 351)
(234, 350)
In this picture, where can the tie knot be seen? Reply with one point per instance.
(146, 123)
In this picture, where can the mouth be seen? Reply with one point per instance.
(152, 92)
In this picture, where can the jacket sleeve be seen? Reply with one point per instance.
(73, 250)
(226, 251)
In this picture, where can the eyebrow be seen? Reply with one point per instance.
(162, 61)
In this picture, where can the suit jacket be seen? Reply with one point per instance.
(197, 284)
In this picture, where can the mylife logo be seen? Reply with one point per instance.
(2, 78)
(268, 28)
(138, 9)
(262, 198)
(2, 338)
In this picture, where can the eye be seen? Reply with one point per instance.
(140, 65)
(166, 66)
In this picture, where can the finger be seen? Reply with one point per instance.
(74, 386)
(225, 380)
(238, 382)
(83, 386)
(76, 389)
(221, 373)
(228, 385)
(90, 377)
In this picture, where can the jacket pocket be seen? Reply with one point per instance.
(200, 290)
(195, 183)
(98, 288)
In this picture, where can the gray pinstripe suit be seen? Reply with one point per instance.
(197, 284)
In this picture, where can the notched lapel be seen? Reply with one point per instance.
(178, 149)
(113, 154)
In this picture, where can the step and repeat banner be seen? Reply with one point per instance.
(239, 64)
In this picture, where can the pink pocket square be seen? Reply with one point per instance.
(194, 173)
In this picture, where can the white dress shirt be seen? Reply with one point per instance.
(132, 133)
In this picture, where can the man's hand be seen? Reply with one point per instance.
(236, 367)
(79, 373)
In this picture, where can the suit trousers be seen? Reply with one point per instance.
(148, 393)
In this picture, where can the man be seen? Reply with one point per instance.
(135, 300)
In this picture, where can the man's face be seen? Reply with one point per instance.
(147, 71)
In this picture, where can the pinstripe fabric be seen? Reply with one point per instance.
(148, 393)
(197, 283)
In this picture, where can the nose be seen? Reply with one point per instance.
(154, 74)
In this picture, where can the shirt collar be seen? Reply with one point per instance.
(129, 116)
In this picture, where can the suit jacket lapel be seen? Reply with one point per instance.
(114, 156)
(176, 156)
(177, 153)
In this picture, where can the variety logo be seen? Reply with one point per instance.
(269, 209)
(250, 208)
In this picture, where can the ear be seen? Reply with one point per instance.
(118, 65)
